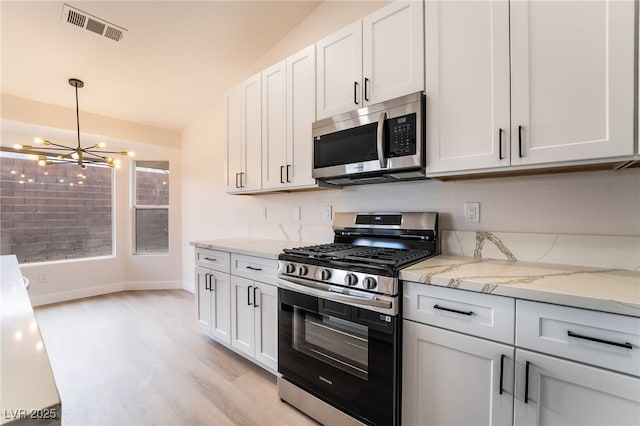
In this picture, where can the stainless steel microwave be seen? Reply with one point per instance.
(384, 142)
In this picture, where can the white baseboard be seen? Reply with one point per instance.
(190, 287)
(65, 296)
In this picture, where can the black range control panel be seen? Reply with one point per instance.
(401, 136)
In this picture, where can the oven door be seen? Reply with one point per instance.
(347, 356)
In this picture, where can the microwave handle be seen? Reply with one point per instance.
(380, 141)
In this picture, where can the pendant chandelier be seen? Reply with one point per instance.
(47, 152)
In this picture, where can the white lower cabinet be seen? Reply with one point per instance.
(213, 303)
(553, 391)
(235, 309)
(572, 366)
(254, 320)
(453, 379)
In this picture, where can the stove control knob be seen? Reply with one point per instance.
(303, 270)
(290, 268)
(370, 283)
(325, 274)
(351, 279)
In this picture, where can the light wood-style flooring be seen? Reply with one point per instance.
(137, 358)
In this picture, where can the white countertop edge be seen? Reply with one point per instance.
(265, 248)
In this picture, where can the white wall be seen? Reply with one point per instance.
(80, 278)
(603, 203)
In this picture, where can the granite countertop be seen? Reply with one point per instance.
(250, 246)
(27, 384)
(609, 290)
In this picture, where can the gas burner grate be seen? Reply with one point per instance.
(389, 256)
(320, 249)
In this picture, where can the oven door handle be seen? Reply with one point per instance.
(380, 140)
(322, 291)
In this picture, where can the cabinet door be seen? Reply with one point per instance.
(393, 51)
(274, 126)
(220, 289)
(467, 84)
(455, 379)
(251, 178)
(266, 324)
(301, 113)
(568, 393)
(572, 76)
(203, 299)
(340, 71)
(242, 315)
(234, 143)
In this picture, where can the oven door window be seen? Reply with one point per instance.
(334, 341)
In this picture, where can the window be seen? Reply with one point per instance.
(151, 207)
(54, 212)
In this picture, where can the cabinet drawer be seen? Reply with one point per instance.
(213, 259)
(254, 268)
(599, 338)
(482, 315)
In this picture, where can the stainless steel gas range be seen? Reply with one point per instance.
(339, 325)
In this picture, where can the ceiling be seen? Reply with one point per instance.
(174, 60)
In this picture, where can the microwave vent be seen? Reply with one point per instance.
(91, 23)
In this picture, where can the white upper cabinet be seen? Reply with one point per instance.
(274, 126)
(288, 110)
(301, 113)
(572, 75)
(339, 62)
(378, 58)
(528, 82)
(234, 144)
(393, 52)
(244, 139)
(467, 84)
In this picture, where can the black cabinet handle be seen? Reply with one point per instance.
(237, 185)
(211, 259)
(241, 185)
(502, 357)
(255, 299)
(253, 268)
(442, 308)
(249, 295)
(206, 282)
(355, 92)
(366, 89)
(625, 345)
(288, 167)
(520, 141)
(526, 383)
(500, 143)
(281, 174)
(211, 282)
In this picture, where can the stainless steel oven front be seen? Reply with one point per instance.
(341, 346)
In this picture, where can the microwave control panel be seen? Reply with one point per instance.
(401, 136)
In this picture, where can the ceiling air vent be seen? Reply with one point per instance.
(91, 23)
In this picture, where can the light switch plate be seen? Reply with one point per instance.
(295, 213)
(327, 212)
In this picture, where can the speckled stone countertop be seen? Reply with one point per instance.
(608, 290)
(250, 246)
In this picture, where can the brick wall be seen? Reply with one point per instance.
(55, 217)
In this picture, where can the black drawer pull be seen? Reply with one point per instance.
(526, 383)
(253, 268)
(455, 311)
(625, 345)
(211, 259)
(502, 357)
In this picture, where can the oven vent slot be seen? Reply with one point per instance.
(91, 23)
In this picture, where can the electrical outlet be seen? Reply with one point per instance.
(327, 212)
(472, 212)
(263, 213)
